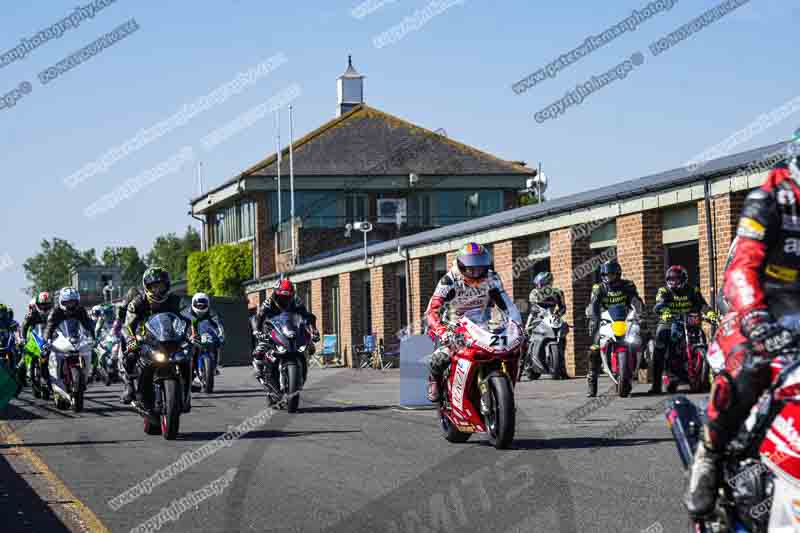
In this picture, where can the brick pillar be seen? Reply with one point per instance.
(349, 290)
(316, 307)
(725, 211)
(421, 287)
(640, 252)
(507, 255)
(566, 254)
(385, 308)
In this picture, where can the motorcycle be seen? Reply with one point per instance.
(478, 394)
(688, 361)
(70, 364)
(165, 348)
(286, 344)
(620, 341)
(8, 350)
(35, 364)
(208, 348)
(107, 353)
(546, 331)
(761, 469)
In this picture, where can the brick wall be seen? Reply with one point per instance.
(640, 252)
(265, 238)
(566, 254)
(517, 284)
(421, 288)
(385, 307)
(316, 307)
(725, 211)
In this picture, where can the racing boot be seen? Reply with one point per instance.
(130, 392)
(703, 482)
(434, 395)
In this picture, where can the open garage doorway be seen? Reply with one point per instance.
(686, 254)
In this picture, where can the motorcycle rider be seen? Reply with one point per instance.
(128, 363)
(38, 311)
(545, 295)
(761, 285)
(7, 323)
(200, 311)
(469, 288)
(611, 290)
(676, 298)
(283, 299)
(69, 308)
(157, 298)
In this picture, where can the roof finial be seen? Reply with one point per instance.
(349, 61)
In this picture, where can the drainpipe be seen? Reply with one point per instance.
(712, 255)
(202, 221)
(404, 253)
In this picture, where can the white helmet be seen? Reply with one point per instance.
(69, 299)
(201, 303)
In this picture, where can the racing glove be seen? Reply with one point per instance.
(132, 345)
(766, 334)
(666, 315)
(712, 316)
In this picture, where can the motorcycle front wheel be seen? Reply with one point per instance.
(625, 376)
(501, 422)
(171, 414)
(208, 378)
(78, 386)
(293, 387)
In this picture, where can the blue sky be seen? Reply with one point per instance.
(455, 72)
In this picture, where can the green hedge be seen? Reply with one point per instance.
(221, 270)
(230, 266)
(198, 275)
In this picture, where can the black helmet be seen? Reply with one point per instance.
(156, 284)
(610, 272)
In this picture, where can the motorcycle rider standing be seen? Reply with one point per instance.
(612, 290)
(469, 288)
(762, 284)
(675, 298)
(157, 298)
(282, 300)
(200, 311)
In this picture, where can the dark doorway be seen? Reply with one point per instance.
(686, 254)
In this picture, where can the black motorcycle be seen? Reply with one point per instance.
(165, 348)
(284, 342)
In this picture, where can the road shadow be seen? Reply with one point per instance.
(66, 443)
(260, 434)
(23, 510)
(577, 443)
(342, 408)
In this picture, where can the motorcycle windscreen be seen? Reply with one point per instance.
(166, 328)
(780, 449)
(784, 507)
(618, 312)
(289, 330)
(206, 327)
(71, 329)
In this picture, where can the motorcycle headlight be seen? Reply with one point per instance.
(281, 348)
(159, 357)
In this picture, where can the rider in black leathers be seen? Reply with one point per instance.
(612, 290)
(283, 299)
(156, 299)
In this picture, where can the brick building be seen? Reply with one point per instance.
(364, 165)
(647, 223)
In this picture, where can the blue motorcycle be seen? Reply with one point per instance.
(207, 350)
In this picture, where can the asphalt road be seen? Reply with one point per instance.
(347, 462)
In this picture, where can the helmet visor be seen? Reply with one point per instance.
(610, 277)
(674, 281)
(70, 305)
(157, 289)
(282, 299)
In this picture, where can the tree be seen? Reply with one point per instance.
(127, 259)
(170, 252)
(49, 270)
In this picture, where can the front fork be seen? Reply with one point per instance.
(487, 402)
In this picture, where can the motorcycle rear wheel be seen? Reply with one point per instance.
(502, 423)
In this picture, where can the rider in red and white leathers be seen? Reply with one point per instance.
(762, 284)
(469, 288)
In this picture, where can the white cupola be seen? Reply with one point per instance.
(350, 89)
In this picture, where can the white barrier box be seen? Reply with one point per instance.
(415, 354)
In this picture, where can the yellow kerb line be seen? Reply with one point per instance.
(88, 519)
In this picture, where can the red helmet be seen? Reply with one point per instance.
(677, 277)
(282, 293)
